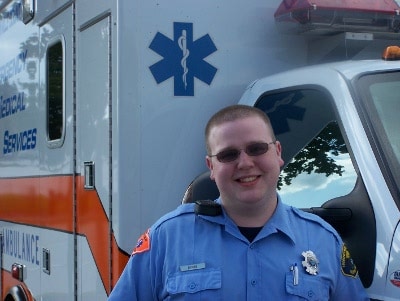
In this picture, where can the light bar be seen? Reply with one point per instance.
(329, 16)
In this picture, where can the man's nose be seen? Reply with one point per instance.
(244, 160)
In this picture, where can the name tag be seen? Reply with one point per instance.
(191, 267)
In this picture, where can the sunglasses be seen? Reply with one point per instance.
(254, 149)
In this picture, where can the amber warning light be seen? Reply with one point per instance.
(391, 53)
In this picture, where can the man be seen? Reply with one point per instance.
(247, 245)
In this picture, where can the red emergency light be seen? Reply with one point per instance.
(333, 16)
(17, 271)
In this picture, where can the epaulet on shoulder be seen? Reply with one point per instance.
(316, 219)
(180, 210)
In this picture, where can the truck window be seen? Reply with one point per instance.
(321, 171)
(55, 92)
(318, 166)
(388, 107)
(380, 102)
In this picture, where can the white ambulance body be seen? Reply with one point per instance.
(102, 110)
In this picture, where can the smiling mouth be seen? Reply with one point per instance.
(247, 179)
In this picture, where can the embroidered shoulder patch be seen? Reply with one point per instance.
(347, 264)
(143, 243)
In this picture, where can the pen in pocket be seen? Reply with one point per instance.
(295, 271)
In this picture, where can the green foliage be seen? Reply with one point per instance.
(317, 156)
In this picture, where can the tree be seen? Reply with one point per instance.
(317, 156)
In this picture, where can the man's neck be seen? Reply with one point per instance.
(251, 215)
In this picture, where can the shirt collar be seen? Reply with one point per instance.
(280, 221)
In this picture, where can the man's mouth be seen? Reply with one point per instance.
(247, 179)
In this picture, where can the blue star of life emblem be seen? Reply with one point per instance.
(183, 59)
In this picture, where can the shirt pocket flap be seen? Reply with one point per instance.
(309, 287)
(194, 281)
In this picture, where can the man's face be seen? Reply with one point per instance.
(248, 179)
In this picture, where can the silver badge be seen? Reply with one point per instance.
(310, 262)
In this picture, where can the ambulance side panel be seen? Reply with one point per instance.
(163, 107)
(37, 215)
(20, 133)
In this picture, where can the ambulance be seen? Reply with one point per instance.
(102, 111)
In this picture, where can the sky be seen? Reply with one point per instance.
(312, 190)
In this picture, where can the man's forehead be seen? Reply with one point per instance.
(251, 122)
(248, 128)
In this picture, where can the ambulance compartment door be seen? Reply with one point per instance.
(94, 160)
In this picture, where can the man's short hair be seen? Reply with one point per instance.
(232, 113)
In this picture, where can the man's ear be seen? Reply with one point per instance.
(210, 167)
(278, 148)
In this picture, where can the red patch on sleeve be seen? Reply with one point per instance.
(143, 243)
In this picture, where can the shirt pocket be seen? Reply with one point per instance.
(309, 287)
(192, 282)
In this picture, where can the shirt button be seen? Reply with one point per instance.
(253, 282)
(192, 285)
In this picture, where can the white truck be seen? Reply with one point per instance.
(102, 110)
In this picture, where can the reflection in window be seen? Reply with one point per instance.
(385, 97)
(318, 167)
(55, 91)
(319, 172)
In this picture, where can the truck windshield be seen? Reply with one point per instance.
(380, 101)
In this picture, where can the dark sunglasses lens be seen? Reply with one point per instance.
(228, 155)
(257, 149)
